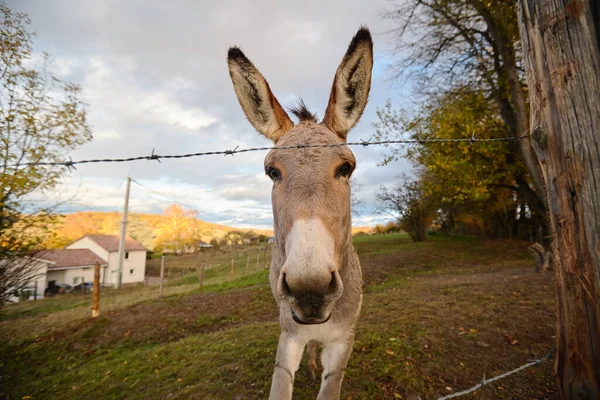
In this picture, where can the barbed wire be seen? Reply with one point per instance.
(365, 143)
(485, 381)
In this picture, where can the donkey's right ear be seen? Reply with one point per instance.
(258, 102)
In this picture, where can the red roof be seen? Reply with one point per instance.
(111, 243)
(66, 258)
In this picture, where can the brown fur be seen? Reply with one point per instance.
(309, 188)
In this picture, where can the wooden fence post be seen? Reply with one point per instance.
(96, 298)
(561, 54)
(247, 264)
(202, 278)
(162, 276)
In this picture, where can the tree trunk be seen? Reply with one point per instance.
(562, 58)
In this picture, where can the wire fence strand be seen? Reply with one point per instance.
(364, 143)
(485, 381)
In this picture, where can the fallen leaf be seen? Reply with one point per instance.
(514, 342)
(389, 352)
(448, 388)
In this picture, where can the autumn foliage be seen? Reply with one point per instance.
(172, 231)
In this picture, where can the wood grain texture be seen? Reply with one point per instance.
(562, 58)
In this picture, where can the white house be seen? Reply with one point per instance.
(72, 266)
(107, 248)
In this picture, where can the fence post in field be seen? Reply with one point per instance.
(162, 275)
(96, 299)
(202, 278)
(247, 264)
(561, 55)
(231, 274)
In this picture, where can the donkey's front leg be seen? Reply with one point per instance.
(289, 354)
(334, 358)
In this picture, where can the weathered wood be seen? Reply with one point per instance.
(202, 278)
(562, 57)
(96, 298)
(162, 276)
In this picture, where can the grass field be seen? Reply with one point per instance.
(436, 317)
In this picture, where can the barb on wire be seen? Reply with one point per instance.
(71, 164)
(524, 135)
(154, 156)
(365, 143)
(497, 378)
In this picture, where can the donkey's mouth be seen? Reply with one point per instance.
(312, 321)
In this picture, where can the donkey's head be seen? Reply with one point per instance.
(311, 190)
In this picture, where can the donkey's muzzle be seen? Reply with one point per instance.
(311, 304)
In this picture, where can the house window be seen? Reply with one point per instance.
(126, 255)
(130, 272)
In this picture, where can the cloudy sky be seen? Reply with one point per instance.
(154, 75)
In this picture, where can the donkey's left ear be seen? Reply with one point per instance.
(351, 85)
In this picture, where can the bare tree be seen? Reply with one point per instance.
(407, 203)
(355, 201)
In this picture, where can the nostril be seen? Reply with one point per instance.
(334, 284)
(285, 287)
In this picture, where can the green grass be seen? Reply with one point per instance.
(435, 317)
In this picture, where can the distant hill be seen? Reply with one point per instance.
(145, 228)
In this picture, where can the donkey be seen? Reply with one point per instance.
(315, 273)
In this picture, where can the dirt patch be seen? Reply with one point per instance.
(171, 319)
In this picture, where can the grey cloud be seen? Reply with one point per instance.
(155, 76)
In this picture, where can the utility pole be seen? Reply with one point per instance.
(122, 238)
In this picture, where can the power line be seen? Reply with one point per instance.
(169, 198)
(365, 143)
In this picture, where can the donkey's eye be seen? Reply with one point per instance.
(273, 173)
(344, 170)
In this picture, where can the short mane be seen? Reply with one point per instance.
(302, 112)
